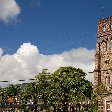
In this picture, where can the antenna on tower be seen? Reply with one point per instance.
(102, 11)
(102, 8)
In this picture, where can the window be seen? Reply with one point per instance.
(110, 45)
(108, 80)
(103, 47)
(103, 28)
(105, 80)
(108, 106)
(111, 27)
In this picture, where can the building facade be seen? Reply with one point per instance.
(103, 64)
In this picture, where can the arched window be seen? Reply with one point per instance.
(103, 28)
(103, 47)
(111, 27)
(108, 80)
(110, 45)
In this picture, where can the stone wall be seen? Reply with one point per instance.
(103, 60)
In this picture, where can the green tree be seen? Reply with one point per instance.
(24, 96)
(44, 83)
(65, 90)
(13, 90)
(69, 86)
(36, 92)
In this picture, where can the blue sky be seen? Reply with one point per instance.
(54, 25)
(38, 34)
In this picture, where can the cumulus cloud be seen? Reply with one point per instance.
(27, 62)
(1, 52)
(9, 10)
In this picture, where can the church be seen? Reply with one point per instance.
(103, 64)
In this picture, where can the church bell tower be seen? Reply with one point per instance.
(103, 57)
(103, 63)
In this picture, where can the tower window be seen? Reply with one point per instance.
(103, 28)
(108, 81)
(111, 26)
(110, 45)
(105, 80)
(103, 47)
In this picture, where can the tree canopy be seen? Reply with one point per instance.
(65, 90)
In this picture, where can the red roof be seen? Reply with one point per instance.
(10, 100)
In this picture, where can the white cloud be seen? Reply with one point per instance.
(1, 52)
(27, 62)
(9, 10)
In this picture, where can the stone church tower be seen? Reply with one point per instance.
(103, 64)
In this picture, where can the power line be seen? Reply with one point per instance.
(21, 80)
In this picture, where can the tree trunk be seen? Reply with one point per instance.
(54, 108)
(65, 103)
(35, 106)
